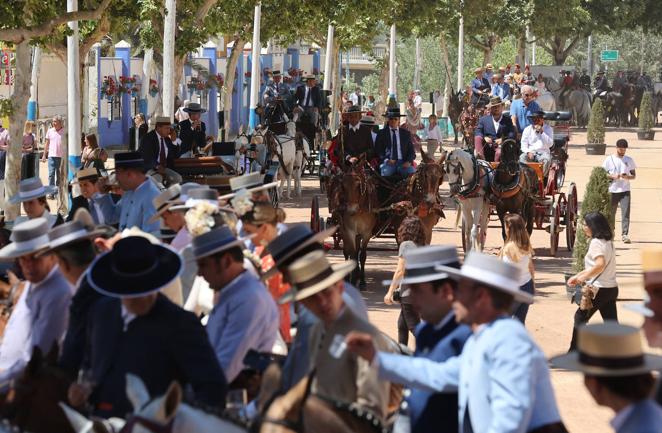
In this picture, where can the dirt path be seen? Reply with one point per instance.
(550, 318)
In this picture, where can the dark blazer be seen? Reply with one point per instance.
(383, 145)
(426, 409)
(77, 203)
(192, 139)
(316, 96)
(150, 147)
(166, 344)
(485, 128)
(356, 143)
(132, 135)
(76, 338)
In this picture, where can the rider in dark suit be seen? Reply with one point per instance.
(301, 97)
(139, 331)
(479, 86)
(150, 146)
(488, 139)
(356, 138)
(192, 131)
(395, 157)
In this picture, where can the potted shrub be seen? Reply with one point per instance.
(596, 198)
(595, 134)
(646, 121)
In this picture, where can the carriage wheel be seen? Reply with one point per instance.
(554, 227)
(315, 221)
(571, 217)
(560, 177)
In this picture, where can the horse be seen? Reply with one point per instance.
(511, 187)
(629, 117)
(423, 189)
(546, 100)
(358, 215)
(467, 179)
(165, 414)
(612, 101)
(32, 401)
(455, 108)
(577, 100)
(290, 150)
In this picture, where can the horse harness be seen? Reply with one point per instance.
(473, 189)
(296, 425)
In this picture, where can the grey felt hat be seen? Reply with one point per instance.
(31, 188)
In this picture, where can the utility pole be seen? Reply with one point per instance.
(460, 50)
(36, 66)
(73, 92)
(169, 59)
(589, 56)
(328, 59)
(255, 70)
(417, 65)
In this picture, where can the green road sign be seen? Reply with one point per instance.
(609, 55)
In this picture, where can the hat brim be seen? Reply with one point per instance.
(235, 243)
(106, 281)
(437, 276)
(10, 252)
(486, 280)
(188, 110)
(340, 271)
(317, 237)
(169, 205)
(71, 238)
(47, 190)
(251, 190)
(570, 361)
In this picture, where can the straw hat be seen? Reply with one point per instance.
(27, 237)
(31, 188)
(253, 182)
(313, 273)
(164, 201)
(90, 173)
(160, 120)
(368, 120)
(609, 349)
(421, 264)
(491, 272)
(494, 101)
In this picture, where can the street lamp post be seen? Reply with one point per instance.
(73, 91)
(392, 89)
(460, 50)
(169, 59)
(255, 70)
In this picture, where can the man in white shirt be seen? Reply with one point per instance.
(418, 100)
(537, 140)
(621, 170)
(355, 97)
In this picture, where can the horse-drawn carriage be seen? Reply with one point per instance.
(484, 189)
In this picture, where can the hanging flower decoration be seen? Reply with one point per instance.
(247, 74)
(215, 81)
(109, 88)
(197, 84)
(199, 219)
(293, 72)
(153, 88)
(128, 85)
(242, 203)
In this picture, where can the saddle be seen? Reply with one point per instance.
(512, 188)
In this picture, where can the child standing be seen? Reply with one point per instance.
(518, 251)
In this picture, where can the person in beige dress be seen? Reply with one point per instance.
(338, 375)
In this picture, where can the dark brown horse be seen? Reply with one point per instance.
(423, 189)
(511, 187)
(455, 107)
(32, 401)
(357, 216)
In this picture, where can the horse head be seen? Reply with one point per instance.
(425, 183)
(356, 186)
(459, 169)
(80, 424)
(32, 402)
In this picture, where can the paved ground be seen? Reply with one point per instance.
(550, 318)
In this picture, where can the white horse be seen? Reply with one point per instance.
(159, 411)
(470, 189)
(546, 99)
(291, 159)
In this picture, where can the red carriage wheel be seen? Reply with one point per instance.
(571, 217)
(315, 222)
(554, 227)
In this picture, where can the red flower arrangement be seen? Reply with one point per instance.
(293, 72)
(247, 74)
(128, 85)
(153, 88)
(196, 84)
(108, 88)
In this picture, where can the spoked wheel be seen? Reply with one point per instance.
(554, 227)
(571, 214)
(315, 221)
(560, 177)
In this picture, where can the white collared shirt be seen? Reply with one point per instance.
(496, 123)
(434, 133)
(355, 128)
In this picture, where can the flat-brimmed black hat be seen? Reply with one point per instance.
(129, 160)
(194, 107)
(275, 73)
(134, 267)
(538, 113)
(354, 109)
(393, 112)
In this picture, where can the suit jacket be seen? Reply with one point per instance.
(383, 145)
(427, 408)
(315, 97)
(485, 128)
(166, 344)
(356, 143)
(150, 147)
(348, 379)
(76, 338)
(192, 139)
(644, 417)
(502, 379)
(77, 203)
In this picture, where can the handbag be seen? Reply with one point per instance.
(585, 293)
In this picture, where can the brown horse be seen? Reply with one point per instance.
(423, 189)
(357, 216)
(32, 401)
(511, 187)
(455, 108)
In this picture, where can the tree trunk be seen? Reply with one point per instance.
(180, 61)
(19, 97)
(447, 75)
(336, 100)
(521, 49)
(230, 69)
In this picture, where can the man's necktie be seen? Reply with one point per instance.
(394, 144)
(277, 88)
(162, 154)
(307, 103)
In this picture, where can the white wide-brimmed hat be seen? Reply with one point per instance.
(164, 201)
(608, 349)
(89, 173)
(253, 182)
(196, 196)
(31, 188)
(421, 264)
(26, 238)
(313, 273)
(492, 272)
